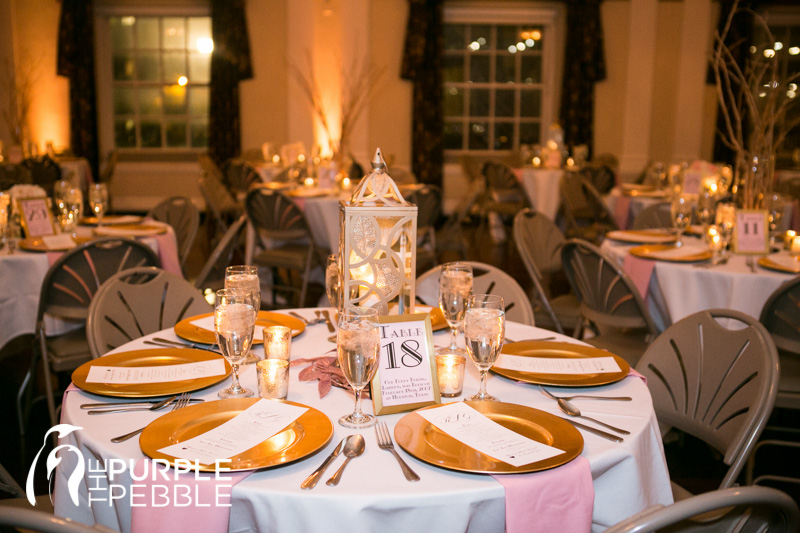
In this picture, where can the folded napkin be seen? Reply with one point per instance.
(639, 270)
(209, 500)
(559, 499)
(634, 374)
(622, 211)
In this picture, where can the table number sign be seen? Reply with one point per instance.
(406, 376)
(751, 232)
(35, 216)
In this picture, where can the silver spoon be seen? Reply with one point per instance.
(352, 448)
(585, 396)
(160, 405)
(571, 410)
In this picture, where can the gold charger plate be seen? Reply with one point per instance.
(437, 317)
(36, 244)
(302, 192)
(148, 357)
(428, 443)
(111, 220)
(130, 230)
(558, 350)
(305, 436)
(766, 262)
(655, 251)
(190, 332)
(652, 236)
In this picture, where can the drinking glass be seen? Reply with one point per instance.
(98, 201)
(333, 281)
(484, 330)
(245, 277)
(234, 325)
(776, 205)
(706, 208)
(455, 286)
(357, 346)
(70, 205)
(681, 213)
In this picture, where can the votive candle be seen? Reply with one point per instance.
(787, 240)
(273, 378)
(277, 342)
(450, 372)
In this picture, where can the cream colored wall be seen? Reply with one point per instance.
(610, 93)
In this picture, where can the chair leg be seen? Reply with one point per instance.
(51, 402)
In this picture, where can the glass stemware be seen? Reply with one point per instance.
(70, 205)
(357, 346)
(98, 201)
(484, 331)
(681, 213)
(706, 208)
(455, 286)
(245, 277)
(234, 325)
(776, 205)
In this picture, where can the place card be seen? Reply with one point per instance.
(479, 432)
(249, 428)
(62, 241)
(751, 232)
(128, 375)
(35, 217)
(558, 365)
(406, 376)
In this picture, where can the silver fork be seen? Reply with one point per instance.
(181, 402)
(385, 443)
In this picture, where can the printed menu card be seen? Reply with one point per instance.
(552, 365)
(155, 374)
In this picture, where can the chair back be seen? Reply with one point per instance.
(486, 279)
(44, 171)
(428, 200)
(221, 255)
(11, 175)
(601, 176)
(781, 316)
(239, 175)
(585, 213)
(498, 176)
(653, 216)
(184, 217)
(275, 215)
(742, 509)
(714, 380)
(32, 520)
(137, 302)
(607, 295)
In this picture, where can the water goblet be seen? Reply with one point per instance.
(357, 347)
(776, 205)
(681, 213)
(455, 286)
(234, 325)
(70, 206)
(245, 277)
(484, 331)
(706, 208)
(98, 201)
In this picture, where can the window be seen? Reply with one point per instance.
(157, 72)
(500, 72)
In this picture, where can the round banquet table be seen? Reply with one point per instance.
(373, 494)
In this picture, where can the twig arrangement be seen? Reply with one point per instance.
(18, 88)
(754, 102)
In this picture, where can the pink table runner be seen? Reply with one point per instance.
(639, 270)
(622, 208)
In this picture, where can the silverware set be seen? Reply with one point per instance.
(305, 320)
(573, 411)
(179, 403)
(122, 407)
(167, 343)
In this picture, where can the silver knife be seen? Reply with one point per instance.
(598, 432)
(311, 481)
(327, 315)
(125, 404)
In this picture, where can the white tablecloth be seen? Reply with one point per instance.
(542, 187)
(373, 494)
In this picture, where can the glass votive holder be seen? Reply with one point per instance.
(450, 372)
(273, 378)
(277, 342)
(787, 239)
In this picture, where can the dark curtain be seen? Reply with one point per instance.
(422, 64)
(230, 64)
(584, 65)
(76, 62)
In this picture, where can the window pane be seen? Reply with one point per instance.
(199, 134)
(124, 67)
(482, 35)
(174, 33)
(507, 36)
(147, 65)
(479, 69)
(124, 102)
(150, 101)
(174, 66)
(453, 102)
(198, 101)
(199, 28)
(151, 134)
(125, 133)
(532, 37)
(174, 100)
(506, 69)
(455, 37)
(453, 135)
(453, 65)
(531, 103)
(478, 136)
(199, 68)
(121, 33)
(176, 134)
(504, 102)
(479, 103)
(531, 69)
(529, 133)
(147, 33)
(503, 136)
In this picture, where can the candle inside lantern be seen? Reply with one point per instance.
(277, 342)
(537, 161)
(276, 159)
(308, 182)
(794, 247)
(787, 240)
(346, 183)
(450, 372)
(273, 378)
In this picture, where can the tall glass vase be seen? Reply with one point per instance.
(754, 183)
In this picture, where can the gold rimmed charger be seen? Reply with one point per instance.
(37, 244)
(111, 220)
(650, 236)
(561, 350)
(428, 443)
(670, 252)
(130, 230)
(791, 265)
(193, 333)
(303, 437)
(149, 357)
(305, 192)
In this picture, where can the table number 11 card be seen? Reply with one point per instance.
(751, 232)
(406, 376)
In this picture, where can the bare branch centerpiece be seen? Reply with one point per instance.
(755, 98)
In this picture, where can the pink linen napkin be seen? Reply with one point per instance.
(634, 374)
(208, 509)
(559, 499)
(622, 211)
(640, 270)
(168, 252)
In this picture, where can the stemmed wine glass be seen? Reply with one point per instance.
(455, 286)
(706, 208)
(357, 346)
(98, 201)
(245, 277)
(681, 213)
(234, 325)
(484, 331)
(776, 205)
(70, 205)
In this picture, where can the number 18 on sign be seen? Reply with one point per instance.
(406, 376)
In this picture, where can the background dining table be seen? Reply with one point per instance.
(373, 494)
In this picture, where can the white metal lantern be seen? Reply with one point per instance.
(377, 244)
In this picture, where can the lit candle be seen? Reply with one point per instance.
(309, 182)
(276, 159)
(537, 161)
(277, 342)
(787, 240)
(450, 372)
(346, 183)
(273, 378)
(794, 247)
